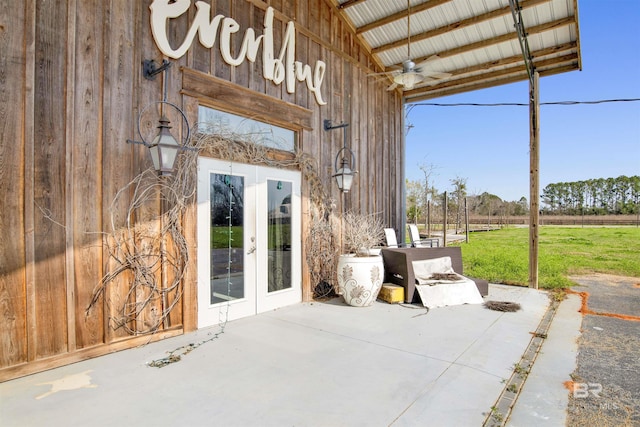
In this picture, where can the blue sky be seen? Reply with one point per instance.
(489, 146)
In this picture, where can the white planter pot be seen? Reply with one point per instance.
(360, 279)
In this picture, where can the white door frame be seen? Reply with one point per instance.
(271, 300)
(256, 298)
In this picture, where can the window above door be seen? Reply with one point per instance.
(242, 129)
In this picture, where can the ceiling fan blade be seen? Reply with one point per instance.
(435, 74)
(384, 73)
(430, 81)
(424, 69)
(427, 62)
(392, 86)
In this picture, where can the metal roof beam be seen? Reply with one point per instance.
(517, 68)
(350, 3)
(456, 25)
(569, 47)
(510, 75)
(495, 40)
(401, 15)
(486, 84)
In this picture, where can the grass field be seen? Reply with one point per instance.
(278, 235)
(502, 256)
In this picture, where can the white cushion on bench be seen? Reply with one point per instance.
(440, 293)
(425, 268)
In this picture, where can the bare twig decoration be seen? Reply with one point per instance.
(150, 252)
(502, 306)
(321, 250)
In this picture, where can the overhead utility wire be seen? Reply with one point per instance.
(518, 104)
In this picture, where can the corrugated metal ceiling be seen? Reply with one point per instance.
(463, 45)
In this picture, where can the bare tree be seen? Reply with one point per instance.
(414, 195)
(428, 171)
(459, 193)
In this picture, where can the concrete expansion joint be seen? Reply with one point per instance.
(499, 413)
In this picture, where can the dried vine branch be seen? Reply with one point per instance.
(150, 252)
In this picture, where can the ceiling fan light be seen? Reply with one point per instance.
(408, 80)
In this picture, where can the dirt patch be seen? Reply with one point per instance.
(609, 278)
(605, 387)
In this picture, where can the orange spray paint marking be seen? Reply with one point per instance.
(584, 308)
(570, 385)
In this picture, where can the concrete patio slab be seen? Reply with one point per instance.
(312, 364)
(543, 399)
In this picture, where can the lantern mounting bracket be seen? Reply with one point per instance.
(329, 126)
(150, 70)
(345, 171)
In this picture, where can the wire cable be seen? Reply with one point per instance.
(518, 104)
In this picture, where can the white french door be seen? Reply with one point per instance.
(249, 255)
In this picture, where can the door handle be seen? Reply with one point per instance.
(253, 247)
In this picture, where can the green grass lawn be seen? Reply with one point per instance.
(503, 256)
(220, 237)
(278, 235)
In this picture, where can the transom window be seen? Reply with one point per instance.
(237, 128)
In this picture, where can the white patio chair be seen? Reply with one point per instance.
(417, 242)
(392, 241)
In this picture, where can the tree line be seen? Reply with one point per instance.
(602, 196)
(425, 202)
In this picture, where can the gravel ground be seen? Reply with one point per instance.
(606, 383)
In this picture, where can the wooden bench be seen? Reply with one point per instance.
(398, 267)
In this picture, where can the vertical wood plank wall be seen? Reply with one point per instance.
(71, 88)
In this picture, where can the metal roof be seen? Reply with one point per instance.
(464, 45)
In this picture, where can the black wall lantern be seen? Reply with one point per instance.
(164, 148)
(345, 173)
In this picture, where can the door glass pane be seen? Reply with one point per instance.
(279, 234)
(227, 252)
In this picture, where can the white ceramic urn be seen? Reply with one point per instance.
(360, 279)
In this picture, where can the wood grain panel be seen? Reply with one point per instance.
(314, 22)
(302, 13)
(29, 175)
(69, 105)
(220, 68)
(242, 15)
(199, 57)
(13, 315)
(87, 172)
(239, 100)
(147, 213)
(121, 67)
(256, 80)
(190, 281)
(303, 97)
(50, 178)
(271, 88)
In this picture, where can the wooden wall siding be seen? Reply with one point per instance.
(118, 116)
(71, 88)
(13, 294)
(50, 180)
(84, 107)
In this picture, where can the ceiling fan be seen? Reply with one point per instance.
(412, 74)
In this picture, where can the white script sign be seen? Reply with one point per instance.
(283, 68)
